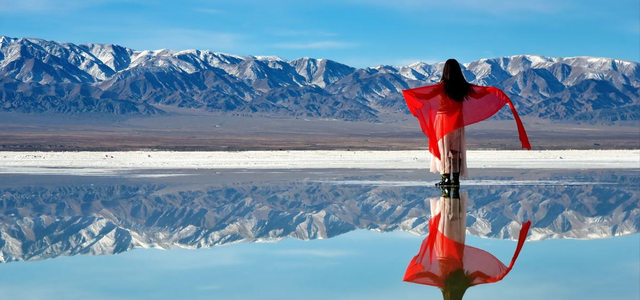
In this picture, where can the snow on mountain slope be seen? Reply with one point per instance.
(546, 87)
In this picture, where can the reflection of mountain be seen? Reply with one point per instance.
(44, 222)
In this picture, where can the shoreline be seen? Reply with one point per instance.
(41, 162)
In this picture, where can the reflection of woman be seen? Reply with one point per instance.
(445, 261)
(452, 225)
(444, 109)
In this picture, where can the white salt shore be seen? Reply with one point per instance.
(99, 162)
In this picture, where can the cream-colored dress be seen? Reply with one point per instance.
(453, 151)
(453, 221)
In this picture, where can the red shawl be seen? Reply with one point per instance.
(431, 268)
(482, 103)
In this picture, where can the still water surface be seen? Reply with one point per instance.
(344, 234)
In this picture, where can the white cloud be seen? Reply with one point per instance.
(211, 11)
(47, 6)
(408, 61)
(506, 6)
(486, 6)
(181, 39)
(315, 45)
(296, 32)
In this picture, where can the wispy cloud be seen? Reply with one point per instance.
(487, 6)
(297, 33)
(507, 6)
(180, 39)
(47, 6)
(308, 39)
(408, 61)
(211, 11)
(329, 44)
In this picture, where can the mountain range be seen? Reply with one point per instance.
(37, 75)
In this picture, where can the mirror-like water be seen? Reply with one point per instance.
(363, 227)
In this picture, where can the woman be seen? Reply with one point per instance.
(444, 109)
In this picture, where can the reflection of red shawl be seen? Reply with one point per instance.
(482, 103)
(431, 268)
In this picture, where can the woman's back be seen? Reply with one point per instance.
(445, 104)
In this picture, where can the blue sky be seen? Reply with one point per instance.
(356, 32)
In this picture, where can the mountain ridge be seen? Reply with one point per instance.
(38, 75)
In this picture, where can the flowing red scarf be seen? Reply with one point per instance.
(481, 103)
(431, 268)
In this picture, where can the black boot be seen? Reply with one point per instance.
(455, 193)
(444, 180)
(445, 192)
(456, 179)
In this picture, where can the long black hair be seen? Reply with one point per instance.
(455, 85)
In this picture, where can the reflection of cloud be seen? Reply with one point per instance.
(631, 267)
(208, 287)
(50, 291)
(634, 28)
(183, 259)
(316, 45)
(314, 252)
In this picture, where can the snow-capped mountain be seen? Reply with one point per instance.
(38, 75)
(320, 72)
(39, 222)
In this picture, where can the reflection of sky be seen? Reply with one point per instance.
(357, 265)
